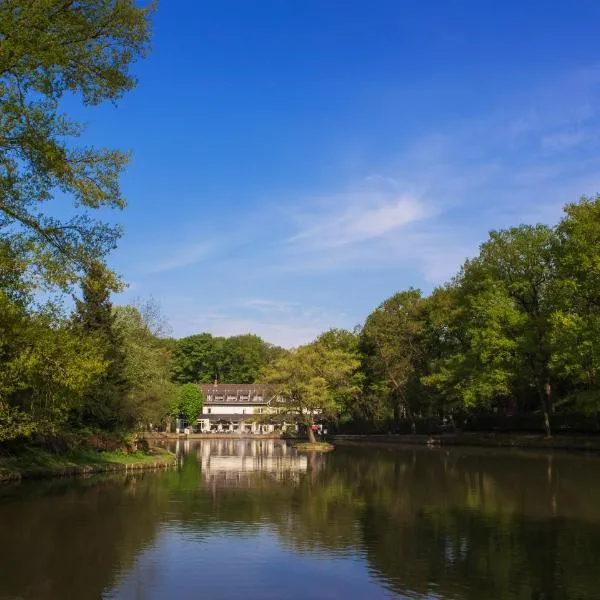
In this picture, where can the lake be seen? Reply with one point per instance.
(255, 520)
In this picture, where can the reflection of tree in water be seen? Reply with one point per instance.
(474, 525)
(73, 541)
(477, 527)
(463, 524)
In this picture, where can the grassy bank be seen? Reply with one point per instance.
(36, 463)
(589, 443)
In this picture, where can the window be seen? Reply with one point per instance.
(209, 410)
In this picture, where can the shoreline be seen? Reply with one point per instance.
(569, 442)
(157, 437)
(43, 465)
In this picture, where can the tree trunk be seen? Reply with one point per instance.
(311, 434)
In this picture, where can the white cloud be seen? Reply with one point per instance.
(414, 222)
(181, 257)
(264, 305)
(372, 217)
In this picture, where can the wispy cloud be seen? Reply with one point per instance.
(432, 205)
(268, 306)
(407, 218)
(180, 257)
(369, 216)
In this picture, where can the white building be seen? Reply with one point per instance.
(238, 408)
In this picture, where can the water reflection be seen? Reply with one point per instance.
(253, 519)
(236, 463)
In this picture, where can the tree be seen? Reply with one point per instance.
(576, 322)
(105, 401)
(202, 358)
(47, 368)
(499, 323)
(243, 358)
(147, 363)
(310, 381)
(198, 359)
(48, 49)
(189, 402)
(391, 342)
(350, 398)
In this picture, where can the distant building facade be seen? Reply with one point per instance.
(238, 408)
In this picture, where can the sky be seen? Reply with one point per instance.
(296, 163)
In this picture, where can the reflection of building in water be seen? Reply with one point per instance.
(240, 463)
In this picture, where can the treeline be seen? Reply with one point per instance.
(97, 368)
(515, 332)
(203, 358)
(62, 368)
(105, 368)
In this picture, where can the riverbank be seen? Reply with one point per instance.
(585, 443)
(34, 463)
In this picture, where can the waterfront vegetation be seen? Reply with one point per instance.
(515, 332)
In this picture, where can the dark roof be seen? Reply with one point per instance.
(235, 388)
(254, 394)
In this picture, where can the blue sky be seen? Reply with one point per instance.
(295, 163)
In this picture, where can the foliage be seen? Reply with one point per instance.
(49, 49)
(46, 371)
(147, 363)
(189, 401)
(104, 404)
(202, 358)
(391, 342)
(310, 381)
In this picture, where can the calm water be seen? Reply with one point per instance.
(254, 520)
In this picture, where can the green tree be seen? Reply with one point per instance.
(147, 363)
(350, 399)
(189, 402)
(47, 368)
(499, 328)
(48, 49)
(310, 381)
(243, 358)
(105, 404)
(391, 341)
(198, 359)
(576, 323)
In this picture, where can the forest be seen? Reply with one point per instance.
(515, 333)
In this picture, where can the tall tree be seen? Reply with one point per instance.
(576, 322)
(500, 324)
(49, 48)
(94, 317)
(147, 363)
(391, 340)
(243, 358)
(349, 399)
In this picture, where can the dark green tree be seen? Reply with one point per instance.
(105, 401)
(391, 341)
